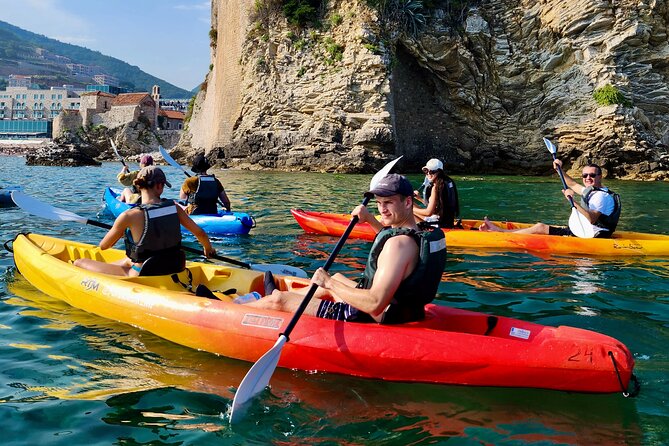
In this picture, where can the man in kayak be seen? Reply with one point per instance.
(599, 205)
(440, 200)
(151, 229)
(203, 191)
(130, 193)
(403, 269)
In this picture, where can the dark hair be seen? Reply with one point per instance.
(439, 183)
(599, 169)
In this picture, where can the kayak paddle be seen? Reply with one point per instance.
(257, 378)
(579, 224)
(172, 162)
(44, 210)
(116, 152)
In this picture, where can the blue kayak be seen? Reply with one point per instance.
(6, 196)
(223, 223)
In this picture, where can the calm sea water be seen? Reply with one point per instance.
(71, 378)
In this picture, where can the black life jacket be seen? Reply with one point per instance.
(161, 235)
(408, 303)
(448, 207)
(604, 221)
(206, 195)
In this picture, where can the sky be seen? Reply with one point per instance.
(168, 39)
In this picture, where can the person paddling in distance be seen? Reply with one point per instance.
(150, 229)
(403, 269)
(600, 206)
(203, 190)
(440, 201)
(130, 193)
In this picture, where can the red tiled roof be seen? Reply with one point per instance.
(172, 114)
(130, 98)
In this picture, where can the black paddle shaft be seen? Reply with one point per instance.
(99, 224)
(326, 267)
(564, 183)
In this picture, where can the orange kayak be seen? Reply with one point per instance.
(623, 243)
(451, 346)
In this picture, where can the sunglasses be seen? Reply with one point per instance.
(431, 172)
(591, 175)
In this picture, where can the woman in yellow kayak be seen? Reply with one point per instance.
(441, 203)
(151, 229)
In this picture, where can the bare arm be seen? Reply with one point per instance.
(365, 217)
(431, 207)
(225, 200)
(396, 261)
(197, 231)
(590, 214)
(116, 232)
(571, 184)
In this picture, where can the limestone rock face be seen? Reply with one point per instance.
(479, 94)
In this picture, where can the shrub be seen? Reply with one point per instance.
(213, 36)
(609, 95)
(336, 19)
(301, 12)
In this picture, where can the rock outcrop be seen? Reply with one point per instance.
(478, 88)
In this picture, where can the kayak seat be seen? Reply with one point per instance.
(492, 323)
(161, 266)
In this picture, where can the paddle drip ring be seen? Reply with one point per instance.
(634, 383)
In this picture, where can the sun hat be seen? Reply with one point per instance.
(433, 165)
(392, 184)
(153, 175)
(200, 164)
(146, 160)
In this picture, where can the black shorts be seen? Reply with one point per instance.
(559, 230)
(564, 231)
(341, 311)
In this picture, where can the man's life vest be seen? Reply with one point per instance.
(206, 195)
(448, 207)
(161, 235)
(420, 288)
(604, 221)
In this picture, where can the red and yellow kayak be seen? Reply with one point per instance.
(451, 346)
(622, 243)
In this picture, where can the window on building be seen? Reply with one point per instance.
(60, 96)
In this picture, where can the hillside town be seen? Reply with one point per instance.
(29, 111)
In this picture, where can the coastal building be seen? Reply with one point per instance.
(34, 108)
(170, 119)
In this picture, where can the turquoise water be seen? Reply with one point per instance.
(70, 378)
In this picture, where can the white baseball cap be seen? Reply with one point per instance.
(433, 165)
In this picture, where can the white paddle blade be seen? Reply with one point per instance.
(282, 270)
(256, 380)
(171, 161)
(114, 148)
(579, 225)
(550, 146)
(36, 207)
(383, 172)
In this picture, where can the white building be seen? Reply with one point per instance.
(27, 103)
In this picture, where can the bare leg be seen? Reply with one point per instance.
(539, 228)
(125, 195)
(120, 268)
(285, 301)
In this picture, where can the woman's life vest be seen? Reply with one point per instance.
(161, 235)
(206, 195)
(604, 221)
(420, 288)
(448, 207)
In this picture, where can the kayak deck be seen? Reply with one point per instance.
(451, 346)
(623, 243)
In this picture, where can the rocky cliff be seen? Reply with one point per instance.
(477, 87)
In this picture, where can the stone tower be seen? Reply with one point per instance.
(155, 94)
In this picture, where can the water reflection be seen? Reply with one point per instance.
(136, 373)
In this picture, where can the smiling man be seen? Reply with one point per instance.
(403, 269)
(599, 205)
